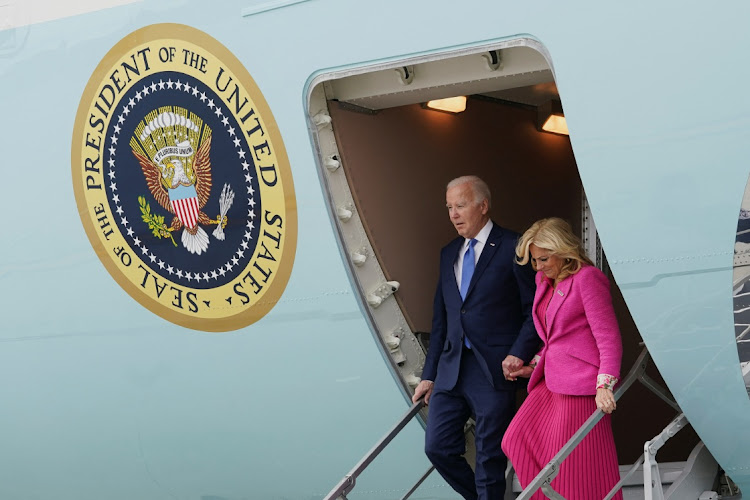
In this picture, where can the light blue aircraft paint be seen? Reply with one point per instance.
(103, 398)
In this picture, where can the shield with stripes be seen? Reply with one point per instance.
(184, 200)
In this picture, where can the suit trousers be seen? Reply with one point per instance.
(445, 443)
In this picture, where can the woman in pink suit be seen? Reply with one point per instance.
(575, 371)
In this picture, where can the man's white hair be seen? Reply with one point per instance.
(478, 186)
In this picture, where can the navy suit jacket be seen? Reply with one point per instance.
(495, 316)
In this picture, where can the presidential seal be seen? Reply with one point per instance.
(182, 181)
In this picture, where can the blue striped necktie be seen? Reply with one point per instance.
(467, 271)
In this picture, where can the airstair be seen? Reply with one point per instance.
(699, 477)
(741, 302)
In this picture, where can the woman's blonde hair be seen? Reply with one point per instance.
(555, 235)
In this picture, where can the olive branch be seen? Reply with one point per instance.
(155, 222)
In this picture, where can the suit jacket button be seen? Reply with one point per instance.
(463, 311)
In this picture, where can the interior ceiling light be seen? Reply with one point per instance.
(556, 124)
(450, 104)
(550, 118)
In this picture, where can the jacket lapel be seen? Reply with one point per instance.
(455, 251)
(490, 248)
(558, 297)
(541, 288)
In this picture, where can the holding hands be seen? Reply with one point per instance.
(513, 368)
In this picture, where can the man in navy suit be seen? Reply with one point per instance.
(482, 330)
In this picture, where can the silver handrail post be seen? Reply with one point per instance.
(652, 487)
(346, 485)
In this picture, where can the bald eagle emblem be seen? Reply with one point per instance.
(172, 146)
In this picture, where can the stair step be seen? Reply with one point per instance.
(669, 471)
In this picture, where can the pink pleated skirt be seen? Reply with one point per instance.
(542, 426)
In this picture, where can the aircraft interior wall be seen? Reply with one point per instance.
(397, 162)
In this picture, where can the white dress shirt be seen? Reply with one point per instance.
(481, 238)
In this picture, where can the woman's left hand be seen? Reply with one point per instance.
(524, 371)
(605, 400)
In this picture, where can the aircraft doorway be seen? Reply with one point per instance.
(385, 159)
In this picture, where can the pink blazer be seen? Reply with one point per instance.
(582, 338)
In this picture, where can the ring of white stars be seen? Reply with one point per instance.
(216, 109)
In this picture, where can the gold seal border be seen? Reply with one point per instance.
(279, 282)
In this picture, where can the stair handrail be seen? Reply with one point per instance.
(418, 483)
(345, 486)
(545, 477)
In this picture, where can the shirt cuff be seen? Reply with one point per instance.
(604, 381)
(534, 361)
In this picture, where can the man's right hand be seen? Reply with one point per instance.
(424, 388)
